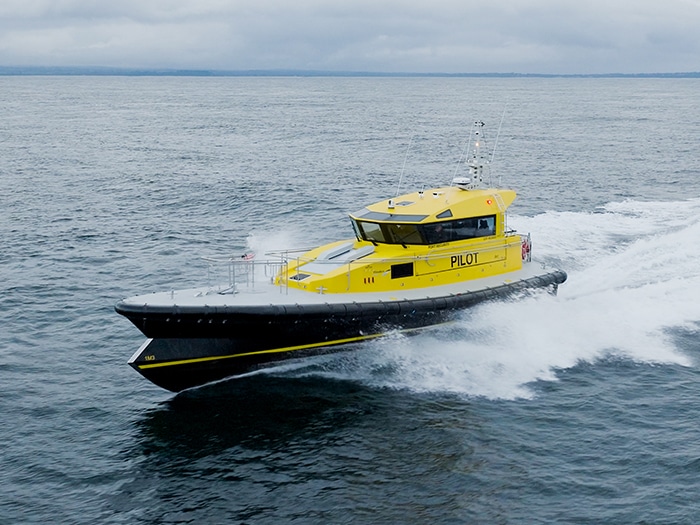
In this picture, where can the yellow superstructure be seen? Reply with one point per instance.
(418, 240)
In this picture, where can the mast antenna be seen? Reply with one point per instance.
(408, 148)
(463, 154)
(495, 144)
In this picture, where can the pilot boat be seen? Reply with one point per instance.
(415, 261)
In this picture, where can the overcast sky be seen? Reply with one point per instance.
(426, 36)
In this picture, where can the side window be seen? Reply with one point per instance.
(437, 232)
(487, 226)
(459, 229)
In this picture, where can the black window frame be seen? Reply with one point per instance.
(431, 233)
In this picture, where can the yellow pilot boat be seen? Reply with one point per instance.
(415, 261)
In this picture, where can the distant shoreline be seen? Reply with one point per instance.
(155, 72)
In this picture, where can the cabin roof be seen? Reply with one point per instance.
(438, 204)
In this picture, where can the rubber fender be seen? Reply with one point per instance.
(392, 307)
(423, 305)
(353, 309)
(439, 303)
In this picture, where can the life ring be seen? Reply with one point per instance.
(525, 248)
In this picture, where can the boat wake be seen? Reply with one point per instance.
(633, 280)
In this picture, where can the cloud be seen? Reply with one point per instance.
(547, 36)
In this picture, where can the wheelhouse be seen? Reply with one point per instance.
(444, 215)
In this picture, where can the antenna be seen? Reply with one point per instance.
(404, 165)
(464, 153)
(495, 144)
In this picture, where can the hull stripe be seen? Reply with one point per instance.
(260, 352)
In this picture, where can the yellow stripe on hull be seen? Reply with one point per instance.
(261, 352)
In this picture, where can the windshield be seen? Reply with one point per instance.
(431, 233)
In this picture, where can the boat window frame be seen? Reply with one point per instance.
(356, 228)
(437, 232)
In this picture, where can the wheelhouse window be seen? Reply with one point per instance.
(459, 229)
(431, 233)
(371, 231)
(404, 233)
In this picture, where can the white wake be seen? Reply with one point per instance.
(634, 273)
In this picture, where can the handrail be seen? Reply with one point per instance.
(278, 253)
(242, 270)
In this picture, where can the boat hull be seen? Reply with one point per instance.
(195, 345)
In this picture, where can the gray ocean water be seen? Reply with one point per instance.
(581, 408)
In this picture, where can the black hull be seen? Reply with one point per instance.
(194, 346)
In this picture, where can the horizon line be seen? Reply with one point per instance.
(155, 71)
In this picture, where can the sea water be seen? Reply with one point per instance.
(579, 408)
